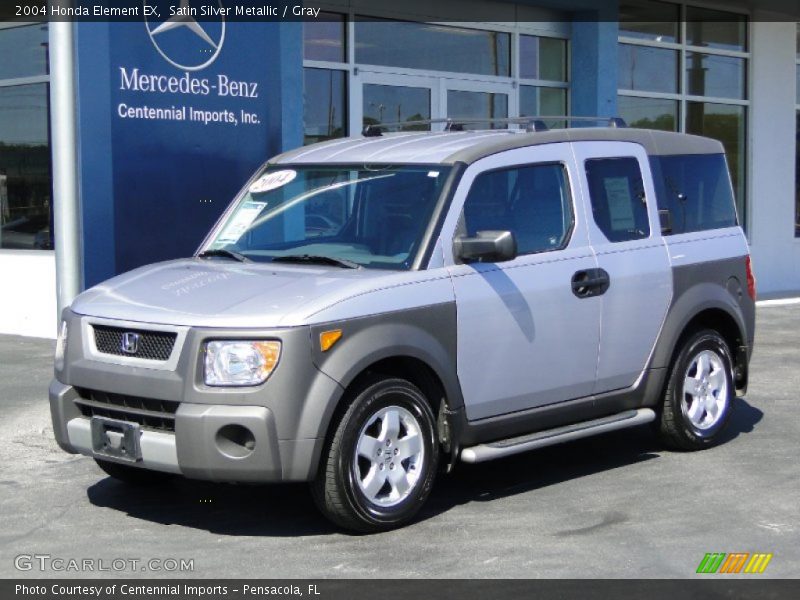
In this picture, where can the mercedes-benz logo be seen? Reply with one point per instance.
(207, 44)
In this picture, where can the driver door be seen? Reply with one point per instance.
(525, 337)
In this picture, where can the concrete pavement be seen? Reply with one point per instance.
(613, 506)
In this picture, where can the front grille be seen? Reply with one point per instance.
(147, 412)
(150, 345)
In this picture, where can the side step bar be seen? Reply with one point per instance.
(540, 439)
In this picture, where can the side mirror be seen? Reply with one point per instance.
(486, 246)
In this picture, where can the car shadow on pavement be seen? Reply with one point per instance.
(288, 510)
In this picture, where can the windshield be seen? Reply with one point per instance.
(373, 216)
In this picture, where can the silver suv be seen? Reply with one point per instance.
(372, 310)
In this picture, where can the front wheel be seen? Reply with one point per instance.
(378, 468)
(700, 392)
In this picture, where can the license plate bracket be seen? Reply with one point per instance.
(116, 439)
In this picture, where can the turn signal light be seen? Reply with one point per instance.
(328, 338)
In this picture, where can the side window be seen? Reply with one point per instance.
(618, 201)
(696, 190)
(533, 202)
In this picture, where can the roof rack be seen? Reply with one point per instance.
(532, 124)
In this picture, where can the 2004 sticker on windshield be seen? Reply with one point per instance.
(273, 180)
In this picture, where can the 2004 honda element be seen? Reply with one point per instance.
(370, 310)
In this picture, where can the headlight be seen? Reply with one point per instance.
(237, 363)
(61, 345)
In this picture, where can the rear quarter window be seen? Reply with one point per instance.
(696, 190)
(617, 194)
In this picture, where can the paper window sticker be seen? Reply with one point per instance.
(620, 203)
(241, 222)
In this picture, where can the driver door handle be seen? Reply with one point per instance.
(589, 283)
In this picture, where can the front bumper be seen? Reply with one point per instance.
(287, 417)
(196, 449)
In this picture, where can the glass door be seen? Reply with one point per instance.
(479, 100)
(390, 98)
(399, 98)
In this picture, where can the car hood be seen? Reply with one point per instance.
(221, 293)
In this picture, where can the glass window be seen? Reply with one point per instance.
(341, 215)
(536, 101)
(797, 84)
(797, 46)
(533, 202)
(324, 38)
(25, 189)
(477, 105)
(696, 190)
(643, 19)
(727, 124)
(542, 58)
(616, 191)
(432, 47)
(649, 113)
(707, 76)
(716, 29)
(647, 69)
(716, 76)
(396, 104)
(24, 51)
(797, 179)
(552, 59)
(324, 105)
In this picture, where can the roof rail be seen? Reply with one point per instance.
(532, 124)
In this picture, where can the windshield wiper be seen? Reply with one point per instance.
(318, 260)
(221, 252)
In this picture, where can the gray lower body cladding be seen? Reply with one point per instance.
(284, 415)
(287, 417)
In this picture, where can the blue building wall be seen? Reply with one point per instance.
(151, 188)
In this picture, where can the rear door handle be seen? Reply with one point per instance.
(590, 282)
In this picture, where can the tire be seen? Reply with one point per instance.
(132, 475)
(700, 392)
(379, 464)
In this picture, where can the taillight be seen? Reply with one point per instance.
(751, 279)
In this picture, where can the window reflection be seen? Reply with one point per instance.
(324, 38)
(478, 105)
(643, 19)
(647, 69)
(725, 123)
(649, 113)
(716, 76)
(26, 47)
(433, 47)
(25, 196)
(542, 101)
(324, 105)
(396, 104)
(716, 29)
(797, 179)
(542, 58)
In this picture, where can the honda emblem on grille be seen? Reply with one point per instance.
(130, 342)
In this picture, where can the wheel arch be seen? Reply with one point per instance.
(418, 345)
(705, 306)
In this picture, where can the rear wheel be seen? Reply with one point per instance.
(378, 468)
(132, 475)
(700, 392)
